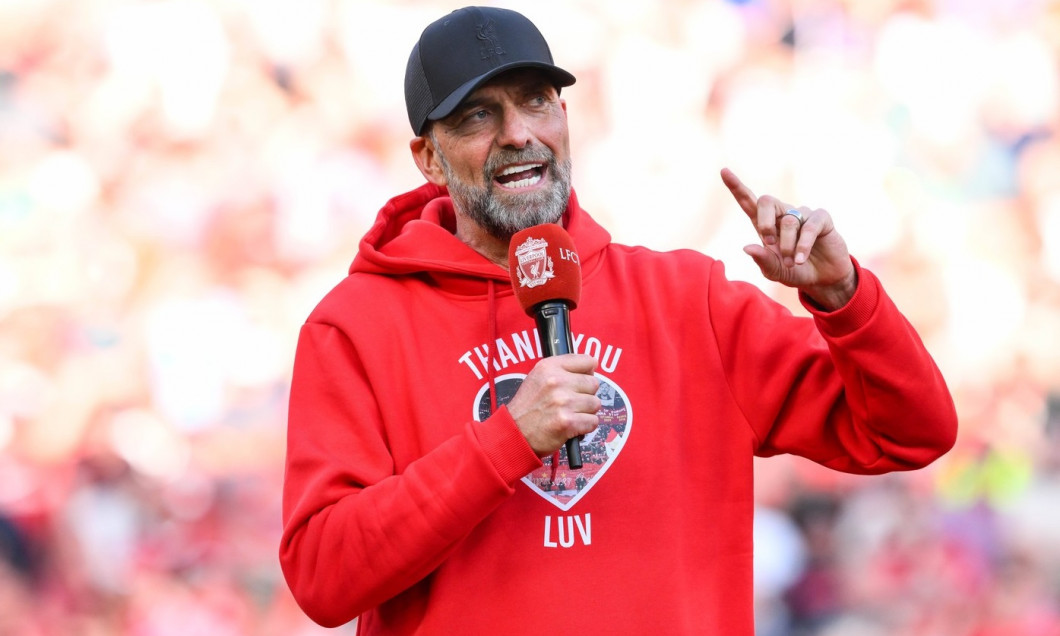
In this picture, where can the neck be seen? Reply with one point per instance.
(492, 248)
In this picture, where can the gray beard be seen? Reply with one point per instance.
(501, 219)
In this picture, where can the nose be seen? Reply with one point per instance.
(515, 130)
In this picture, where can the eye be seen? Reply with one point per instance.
(473, 117)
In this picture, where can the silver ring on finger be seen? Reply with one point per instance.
(795, 213)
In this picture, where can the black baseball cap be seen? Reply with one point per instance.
(461, 51)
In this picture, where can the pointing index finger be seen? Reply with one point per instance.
(743, 195)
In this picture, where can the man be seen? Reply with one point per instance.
(426, 490)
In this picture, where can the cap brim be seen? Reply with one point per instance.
(450, 103)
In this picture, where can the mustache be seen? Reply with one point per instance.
(529, 154)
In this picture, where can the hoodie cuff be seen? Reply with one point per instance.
(505, 446)
(853, 315)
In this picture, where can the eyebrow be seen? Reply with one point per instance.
(471, 103)
(476, 99)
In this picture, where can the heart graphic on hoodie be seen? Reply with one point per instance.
(559, 484)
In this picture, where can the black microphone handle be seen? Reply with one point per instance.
(553, 327)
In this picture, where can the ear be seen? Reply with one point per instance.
(426, 157)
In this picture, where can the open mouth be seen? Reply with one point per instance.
(521, 176)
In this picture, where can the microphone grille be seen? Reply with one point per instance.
(544, 265)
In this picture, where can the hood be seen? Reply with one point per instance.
(413, 235)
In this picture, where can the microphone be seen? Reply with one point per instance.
(547, 277)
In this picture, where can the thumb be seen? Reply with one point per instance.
(766, 260)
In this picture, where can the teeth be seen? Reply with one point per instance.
(514, 169)
(522, 183)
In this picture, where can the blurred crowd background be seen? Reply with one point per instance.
(182, 180)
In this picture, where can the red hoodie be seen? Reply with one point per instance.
(409, 501)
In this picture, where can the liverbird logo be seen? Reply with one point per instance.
(535, 265)
(487, 34)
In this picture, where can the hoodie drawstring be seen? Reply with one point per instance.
(492, 342)
(491, 296)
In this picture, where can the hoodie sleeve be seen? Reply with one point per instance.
(854, 390)
(356, 533)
